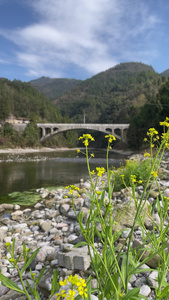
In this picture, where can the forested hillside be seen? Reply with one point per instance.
(112, 96)
(24, 101)
(165, 73)
(21, 99)
(54, 87)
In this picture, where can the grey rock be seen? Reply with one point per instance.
(44, 253)
(82, 262)
(45, 284)
(145, 290)
(140, 281)
(64, 208)
(166, 193)
(133, 278)
(152, 279)
(3, 290)
(71, 215)
(45, 225)
(7, 206)
(72, 237)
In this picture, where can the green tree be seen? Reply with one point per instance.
(8, 130)
(31, 135)
(4, 108)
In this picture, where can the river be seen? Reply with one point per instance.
(24, 172)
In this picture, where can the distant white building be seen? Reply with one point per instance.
(12, 120)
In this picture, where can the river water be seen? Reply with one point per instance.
(25, 172)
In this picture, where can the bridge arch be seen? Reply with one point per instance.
(48, 129)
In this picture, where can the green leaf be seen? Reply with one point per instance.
(89, 288)
(55, 284)
(80, 244)
(10, 284)
(123, 267)
(18, 258)
(30, 288)
(158, 207)
(31, 258)
(24, 250)
(102, 199)
(41, 274)
(132, 294)
(13, 247)
(165, 292)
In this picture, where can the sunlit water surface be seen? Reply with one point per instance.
(25, 172)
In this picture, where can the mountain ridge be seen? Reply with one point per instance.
(56, 87)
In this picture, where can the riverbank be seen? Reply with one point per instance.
(30, 150)
(46, 149)
(52, 225)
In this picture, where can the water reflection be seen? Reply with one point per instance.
(29, 171)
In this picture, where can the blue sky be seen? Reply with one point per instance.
(80, 38)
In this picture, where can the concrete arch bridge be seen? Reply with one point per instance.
(48, 130)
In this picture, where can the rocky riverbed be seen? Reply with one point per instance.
(51, 224)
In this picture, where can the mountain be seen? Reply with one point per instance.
(165, 73)
(54, 87)
(111, 96)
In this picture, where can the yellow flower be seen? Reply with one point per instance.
(133, 178)
(86, 143)
(86, 139)
(154, 174)
(74, 187)
(165, 123)
(140, 181)
(73, 279)
(110, 138)
(78, 150)
(71, 295)
(100, 171)
(71, 192)
(152, 132)
(81, 282)
(62, 294)
(92, 172)
(146, 154)
(166, 198)
(7, 244)
(82, 292)
(63, 282)
(92, 155)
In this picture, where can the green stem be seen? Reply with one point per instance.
(23, 285)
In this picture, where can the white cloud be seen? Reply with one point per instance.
(91, 34)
